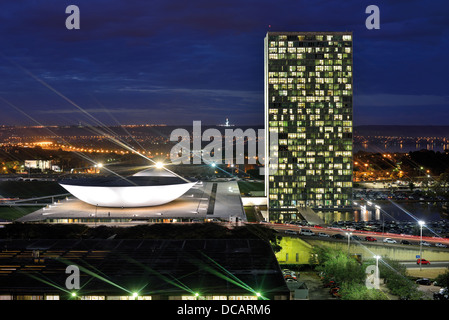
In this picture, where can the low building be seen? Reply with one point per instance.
(42, 165)
(212, 269)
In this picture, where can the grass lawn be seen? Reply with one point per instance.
(246, 187)
(430, 273)
(13, 213)
(250, 214)
(25, 190)
(29, 189)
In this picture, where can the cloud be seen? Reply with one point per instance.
(402, 100)
(255, 96)
(93, 110)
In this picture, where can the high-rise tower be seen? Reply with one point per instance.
(308, 102)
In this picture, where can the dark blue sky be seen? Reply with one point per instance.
(177, 61)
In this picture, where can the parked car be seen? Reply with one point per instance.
(335, 292)
(425, 243)
(290, 280)
(422, 261)
(441, 245)
(289, 274)
(288, 271)
(370, 239)
(443, 294)
(322, 234)
(424, 281)
(355, 238)
(338, 236)
(406, 242)
(306, 232)
(290, 232)
(389, 240)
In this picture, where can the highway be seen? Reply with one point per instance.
(414, 240)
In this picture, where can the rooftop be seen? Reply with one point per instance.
(160, 268)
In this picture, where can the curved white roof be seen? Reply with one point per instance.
(128, 197)
(128, 192)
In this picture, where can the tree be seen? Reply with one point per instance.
(443, 279)
(396, 280)
(337, 265)
(357, 291)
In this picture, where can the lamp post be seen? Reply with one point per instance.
(421, 223)
(376, 281)
(349, 234)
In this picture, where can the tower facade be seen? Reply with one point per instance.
(309, 104)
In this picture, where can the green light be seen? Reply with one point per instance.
(196, 294)
(135, 294)
(258, 294)
(73, 294)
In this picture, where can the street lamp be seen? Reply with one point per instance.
(349, 234)
(376, 279)
(421, 223)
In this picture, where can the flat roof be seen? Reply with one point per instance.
(152, 267)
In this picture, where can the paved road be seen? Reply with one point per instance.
(362, 234)
(315, 285)
(434, 264)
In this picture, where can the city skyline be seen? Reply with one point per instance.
(174, 63)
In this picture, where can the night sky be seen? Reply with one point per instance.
(176, 61)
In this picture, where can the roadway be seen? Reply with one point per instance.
(413, 240)
(433, 264)
(361, 234)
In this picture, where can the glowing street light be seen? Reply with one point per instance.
(421, 223)
(376, 281)
(377, 263)
(349, 234)
(159, 165)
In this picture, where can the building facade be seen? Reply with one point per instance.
(309, 104)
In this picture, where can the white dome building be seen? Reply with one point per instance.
(151, 187)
